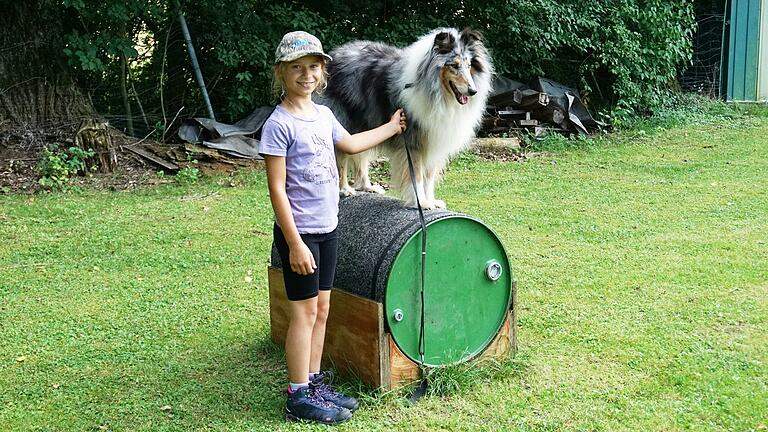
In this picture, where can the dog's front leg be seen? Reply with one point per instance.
(362, 181)
(342, 162)
(409, 196)
(433, 175)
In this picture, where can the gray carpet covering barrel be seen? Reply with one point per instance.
(372, 230)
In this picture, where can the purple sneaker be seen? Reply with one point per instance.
(303, 404)
(325, 391)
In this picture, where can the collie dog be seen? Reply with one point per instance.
(442, 82)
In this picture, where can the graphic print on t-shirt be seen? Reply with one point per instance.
(322, 168)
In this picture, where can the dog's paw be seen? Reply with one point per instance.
(425, 205)
(439, 204)
(347, 191)
(374, 188)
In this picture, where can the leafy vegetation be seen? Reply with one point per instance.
(188, 175)
(622, 55)
(56, 167)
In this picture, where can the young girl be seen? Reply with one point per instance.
(297, 143)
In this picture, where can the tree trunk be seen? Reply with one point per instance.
(36, 86)
(124, 92)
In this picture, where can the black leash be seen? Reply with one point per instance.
(421, 390)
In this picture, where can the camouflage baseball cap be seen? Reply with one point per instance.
(299, 44)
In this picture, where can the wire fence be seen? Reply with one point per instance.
(703, 75)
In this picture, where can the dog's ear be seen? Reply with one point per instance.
(469, 36)
(444, 42)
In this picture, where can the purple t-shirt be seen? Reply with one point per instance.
(312, 179)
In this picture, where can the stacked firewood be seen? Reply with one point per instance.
(542, 106)
(525, 109)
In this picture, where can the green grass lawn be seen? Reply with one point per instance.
(642, 269)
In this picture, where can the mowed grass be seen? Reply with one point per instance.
(641, 261)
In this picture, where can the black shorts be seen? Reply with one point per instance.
(324, 248)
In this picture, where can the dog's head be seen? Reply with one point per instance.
(463, 58)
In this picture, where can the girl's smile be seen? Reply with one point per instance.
(303, 75)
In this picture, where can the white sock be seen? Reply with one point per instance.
(312, 375)
(295, 386)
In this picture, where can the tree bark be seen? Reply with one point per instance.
(36, 85)
(124, 92)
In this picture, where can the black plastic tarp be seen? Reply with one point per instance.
(238, 140)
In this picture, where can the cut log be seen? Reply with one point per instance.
(496, 143)
(94, 135)
(550, 114)
(530, 98)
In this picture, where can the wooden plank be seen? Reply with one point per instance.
(402, 370)
(529, 98)
(354, 334)
(149, 156)
(513, 316)
(279, 313)
(529, 122)
(512, 112)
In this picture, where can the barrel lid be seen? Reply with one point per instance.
(467, 292)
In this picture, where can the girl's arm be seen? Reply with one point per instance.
(300, 257)
(362, 141)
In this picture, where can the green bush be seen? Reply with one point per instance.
(622, 55)
(56, 167)
(187, 176)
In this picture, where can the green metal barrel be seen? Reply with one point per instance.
(468, 278)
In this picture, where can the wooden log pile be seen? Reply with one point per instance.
(524, 109)
(542, 106)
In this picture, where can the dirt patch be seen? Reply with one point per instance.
(498, 149)
(500, 154)
(20, 153)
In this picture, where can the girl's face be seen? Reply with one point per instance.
(303, 75)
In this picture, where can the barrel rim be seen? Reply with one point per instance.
(486, 343)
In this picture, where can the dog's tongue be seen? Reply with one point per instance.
(463, 99)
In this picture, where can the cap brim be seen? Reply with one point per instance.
(297, 55)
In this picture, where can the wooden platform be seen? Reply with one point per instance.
(356, 342)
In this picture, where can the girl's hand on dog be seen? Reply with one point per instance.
(398, 119)
(302, 260)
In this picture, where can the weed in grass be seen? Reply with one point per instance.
(57, 166)
(188, 176)
(454, 378)
(464, 160)
(463, 377)
(556, 142)
(248, 177)
(753, 109)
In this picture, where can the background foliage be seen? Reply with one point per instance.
(622, 55)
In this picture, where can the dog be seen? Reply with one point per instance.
(442, 81)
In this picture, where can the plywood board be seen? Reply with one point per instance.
(354, 335)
